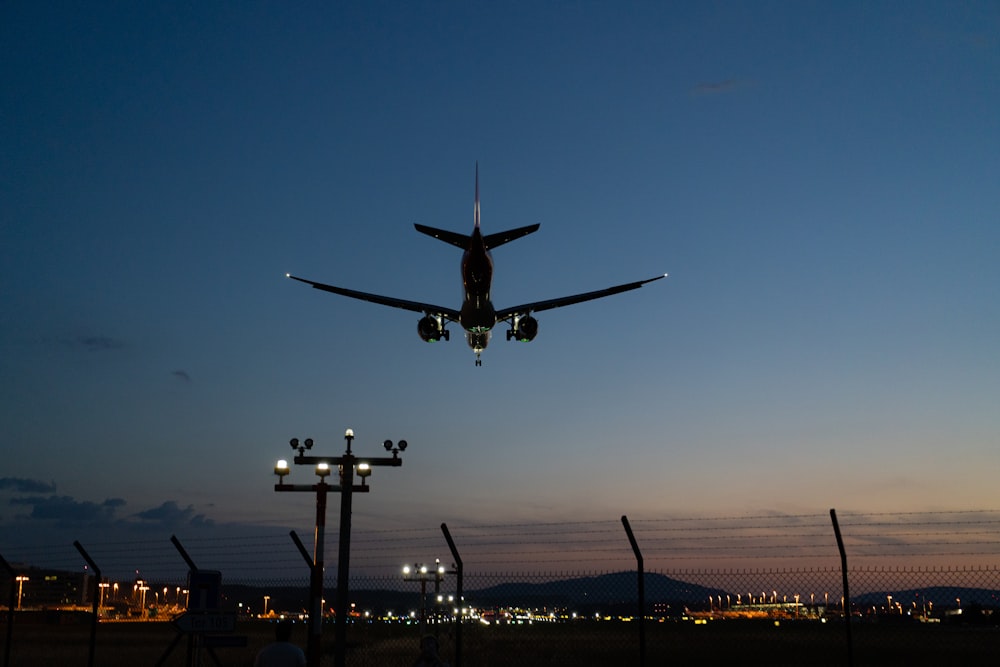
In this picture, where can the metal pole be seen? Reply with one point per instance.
(423, 604)
(193, 655)
(641, 590)
(10, 611)
(458, 593)
(314, 646)
(344, 558)
(847, 595)
(95, 609)
(184, 554)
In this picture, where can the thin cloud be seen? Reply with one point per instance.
(21, 485)
(171, 514)
(182, 375)
(65, 509)
(99, 343)
(718, 87)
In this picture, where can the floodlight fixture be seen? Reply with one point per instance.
(364, 471)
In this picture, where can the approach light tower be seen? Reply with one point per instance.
(423, 574)
(348, 465)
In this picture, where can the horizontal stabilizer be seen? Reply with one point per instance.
(490, 240)
(454, 238)
(498, 239)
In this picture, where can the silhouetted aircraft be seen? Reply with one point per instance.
(477, 315)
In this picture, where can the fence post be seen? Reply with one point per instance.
(641, 589)
(458, 593)
(10, 611)
(847, 593)
(95, 603)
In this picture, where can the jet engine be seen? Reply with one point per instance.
(431, 329)
(525, 329)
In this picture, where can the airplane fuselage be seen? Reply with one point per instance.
(477, 313)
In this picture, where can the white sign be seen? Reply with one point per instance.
(206, 621)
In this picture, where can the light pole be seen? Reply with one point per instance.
(347, 464)
(102, 586)
(20, 587)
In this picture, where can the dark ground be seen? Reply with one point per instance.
(580, 644)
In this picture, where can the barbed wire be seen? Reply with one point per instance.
(959, 534)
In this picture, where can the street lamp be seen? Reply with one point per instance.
(142, 588)
(347, 465)
(102, 586)
(21, 578)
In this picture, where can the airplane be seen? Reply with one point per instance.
(477, 316)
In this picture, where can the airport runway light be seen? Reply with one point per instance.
(348, 466)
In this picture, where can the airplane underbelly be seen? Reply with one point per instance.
(478, 316)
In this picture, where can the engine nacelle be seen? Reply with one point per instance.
(431, 329)
(525, 330)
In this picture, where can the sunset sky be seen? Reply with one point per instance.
(820, 180)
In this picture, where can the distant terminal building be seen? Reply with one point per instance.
(37, 588)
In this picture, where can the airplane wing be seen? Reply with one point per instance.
(535, 306)
(415, 306)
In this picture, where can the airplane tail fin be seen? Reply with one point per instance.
(489, 240)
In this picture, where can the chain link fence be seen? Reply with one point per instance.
(923, 588)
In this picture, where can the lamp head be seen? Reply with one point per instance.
(402, 445)
(294, 442)
(388, 445)
(281, 468)
(322, 469)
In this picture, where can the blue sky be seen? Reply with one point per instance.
(819, 181)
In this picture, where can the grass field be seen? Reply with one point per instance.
(577, 644)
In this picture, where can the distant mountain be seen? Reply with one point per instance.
(606, 589)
